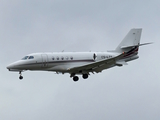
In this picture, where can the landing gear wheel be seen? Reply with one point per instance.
(85, 76)
(20, 77)
(75, 78)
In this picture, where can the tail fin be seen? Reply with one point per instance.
(131, 40)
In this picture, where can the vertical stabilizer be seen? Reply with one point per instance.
(132, 39)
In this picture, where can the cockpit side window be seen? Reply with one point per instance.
(25, 58)
(31, 57)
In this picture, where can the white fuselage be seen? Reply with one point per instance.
(59, 62)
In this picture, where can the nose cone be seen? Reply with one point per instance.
(13, 67)
(10, 66)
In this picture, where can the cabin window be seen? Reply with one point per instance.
(66, 58)
(71, 58)
(57, 58)
(31, 57)
(62, 58)
(52, 58)
(25, 58)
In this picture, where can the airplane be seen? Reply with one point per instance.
(81, 63)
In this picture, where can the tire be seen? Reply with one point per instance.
(20, 77)
(75, 78)
(85, 76)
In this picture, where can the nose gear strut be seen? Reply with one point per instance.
(20, 77)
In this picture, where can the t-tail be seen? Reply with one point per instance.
(130, 44)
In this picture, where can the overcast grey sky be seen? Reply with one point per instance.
(130, 92)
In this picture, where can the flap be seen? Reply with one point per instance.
(121, 63)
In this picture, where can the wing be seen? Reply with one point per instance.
(96, 66)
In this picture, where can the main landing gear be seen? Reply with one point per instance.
(76, 78)
(20, 77)
(85, 76)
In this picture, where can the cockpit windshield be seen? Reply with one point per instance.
(31, 57)
(28, 57)
(25, 58)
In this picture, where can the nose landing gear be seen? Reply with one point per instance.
(20, 77)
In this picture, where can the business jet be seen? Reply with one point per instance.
(81, 63)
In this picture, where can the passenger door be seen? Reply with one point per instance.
(44, 60)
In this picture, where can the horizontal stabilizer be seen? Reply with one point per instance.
(121, 63)
(123, 47)
(146, 43)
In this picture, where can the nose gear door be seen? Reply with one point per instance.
(44, 60)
